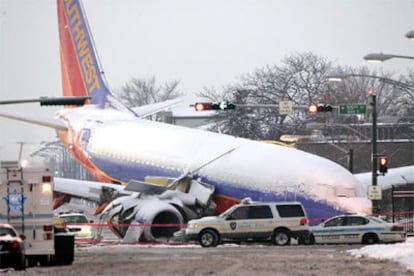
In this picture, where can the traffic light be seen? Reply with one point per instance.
(214, 106)
(383, 164)
(203, 106)
(313, 108)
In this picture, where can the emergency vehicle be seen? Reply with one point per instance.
(27, 203)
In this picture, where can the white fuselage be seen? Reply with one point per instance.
(128, 148)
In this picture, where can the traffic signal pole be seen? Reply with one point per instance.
(374, 162)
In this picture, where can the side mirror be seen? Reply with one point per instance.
(23, 236)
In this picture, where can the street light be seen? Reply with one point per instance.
(338, 77)
(410, 35)
(380, 57)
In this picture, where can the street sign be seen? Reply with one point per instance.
(374, 193)
(285, 107)
(350, 109)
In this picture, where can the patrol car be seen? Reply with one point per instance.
(353, 228)
(277, 222)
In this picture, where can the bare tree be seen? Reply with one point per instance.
(302, 78)
(140, 91)
(298, 79)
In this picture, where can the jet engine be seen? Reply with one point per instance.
(137, 219)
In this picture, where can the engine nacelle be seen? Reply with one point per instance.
(160, 218)
(137, 219)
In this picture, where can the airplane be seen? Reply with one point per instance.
(157, 174)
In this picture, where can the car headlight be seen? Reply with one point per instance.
(193, 225)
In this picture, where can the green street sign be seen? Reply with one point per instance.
(350, 109)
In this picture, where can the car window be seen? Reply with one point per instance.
(356, 221)
(260, 212)
(340, 221)
(240, 213)
(4, 231)
(290, 210)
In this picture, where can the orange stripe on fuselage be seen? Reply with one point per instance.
(84, 160)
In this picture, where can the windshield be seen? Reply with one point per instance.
(227, 212)
(7, 231)
(75, 219)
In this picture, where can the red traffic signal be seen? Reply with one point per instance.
(214, 106)
(371, 92)
(383, 164)
(202, 106)
(313, 108)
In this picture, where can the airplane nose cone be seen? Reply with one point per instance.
(322, 172)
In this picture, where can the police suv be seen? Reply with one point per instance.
(277, 222)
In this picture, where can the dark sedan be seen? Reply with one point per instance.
(12, 253)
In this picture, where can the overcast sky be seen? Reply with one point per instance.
(199, 43)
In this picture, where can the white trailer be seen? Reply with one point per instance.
(27, 204)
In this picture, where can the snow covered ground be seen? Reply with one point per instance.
(399, 252)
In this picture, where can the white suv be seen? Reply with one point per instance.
(250, 221)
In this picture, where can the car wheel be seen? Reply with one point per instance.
(281, 237)
(370, 238)
(21, 265)
(31, 261)
(309, 240)
(208, 238)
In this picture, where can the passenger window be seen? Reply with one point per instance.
(335, 222)
(286, 211)
(260, 212)
(240, 213)
(356, 221)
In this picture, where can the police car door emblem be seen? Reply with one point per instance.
(233, 225)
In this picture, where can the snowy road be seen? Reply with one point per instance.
(224, 260)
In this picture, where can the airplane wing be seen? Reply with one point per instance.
(90, 190)
(34, 119)
(150, 109)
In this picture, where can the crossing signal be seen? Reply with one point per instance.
(214, 106)
(383, 164)
(313, 108)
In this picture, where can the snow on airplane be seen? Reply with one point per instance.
(170, 173)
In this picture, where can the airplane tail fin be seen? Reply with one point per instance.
(82, 74)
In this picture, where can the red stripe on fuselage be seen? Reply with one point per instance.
(224, 202)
